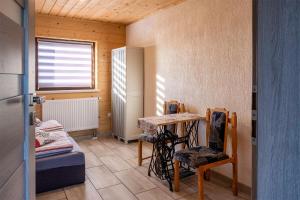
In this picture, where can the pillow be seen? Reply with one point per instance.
(37, 122)
(42, 138)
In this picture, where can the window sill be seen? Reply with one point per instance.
(67, 91)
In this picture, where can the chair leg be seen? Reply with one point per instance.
(176, 175)
(200, 183)
(234, 179)
(140, 152)
(207, 175)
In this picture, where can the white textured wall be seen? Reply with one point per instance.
(202, 49)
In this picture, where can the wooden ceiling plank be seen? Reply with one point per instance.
(85, 11)
(121, 9)
(39, 5)
(67, 7)
(48, 6)
(57, 7)
(117, 11)
(78, 7)
(109, 5)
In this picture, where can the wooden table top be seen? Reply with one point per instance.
(152, 123)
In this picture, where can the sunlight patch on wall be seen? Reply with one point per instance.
(119, 79)
(160, 94)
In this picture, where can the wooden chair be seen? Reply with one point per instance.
(170, 107)
(213, 154)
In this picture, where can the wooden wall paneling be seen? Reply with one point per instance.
(11, 41)
(11, 143)
(106, 36)
(278, 73)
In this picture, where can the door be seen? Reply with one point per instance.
(278, 99)
(16, 140)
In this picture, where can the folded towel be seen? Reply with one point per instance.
(50, 125)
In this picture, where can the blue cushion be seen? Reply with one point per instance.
(200, 155)
(217, 131)
(171, 109)
(148, 137)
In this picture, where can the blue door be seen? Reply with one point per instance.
(16, 133)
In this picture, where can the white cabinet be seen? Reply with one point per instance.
(127, 91)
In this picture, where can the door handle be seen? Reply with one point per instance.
(36, 99)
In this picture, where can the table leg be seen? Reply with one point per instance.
(161, 163)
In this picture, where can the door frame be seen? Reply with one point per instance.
(28, 91)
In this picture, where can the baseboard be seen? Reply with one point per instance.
(220, 178)
(88, 134)
(104, 134)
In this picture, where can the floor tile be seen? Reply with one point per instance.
(114, 163)
(99, 149)
(154, 194)
(83, 145)
(111, 143)
(101, 177)
(195, 196)
(91, 160)
(134, 162)
(52, 195)
(85, 191)
(134, 181)
(125, 152)
(130, 181)
(164, 186)
(116, 192)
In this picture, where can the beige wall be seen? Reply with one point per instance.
(201, 50)
(106, 37)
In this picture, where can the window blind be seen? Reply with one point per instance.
(64, 65)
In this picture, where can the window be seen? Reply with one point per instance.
(64, 65)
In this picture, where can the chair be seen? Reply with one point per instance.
(170, 107)
(213, 154)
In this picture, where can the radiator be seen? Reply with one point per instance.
(73, 114)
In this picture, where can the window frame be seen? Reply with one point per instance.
(66, 41)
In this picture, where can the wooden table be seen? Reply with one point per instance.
(161, 163)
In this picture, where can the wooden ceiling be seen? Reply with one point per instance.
(118, 11)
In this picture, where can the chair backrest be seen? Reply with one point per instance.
(172, 107)
(217, 129)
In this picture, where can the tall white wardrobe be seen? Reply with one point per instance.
(127, 91)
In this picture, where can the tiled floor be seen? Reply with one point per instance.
(112, 174)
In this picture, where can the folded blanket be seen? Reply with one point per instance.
(42, 138)
(61, 141)
(50, 125)
(43, 154)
